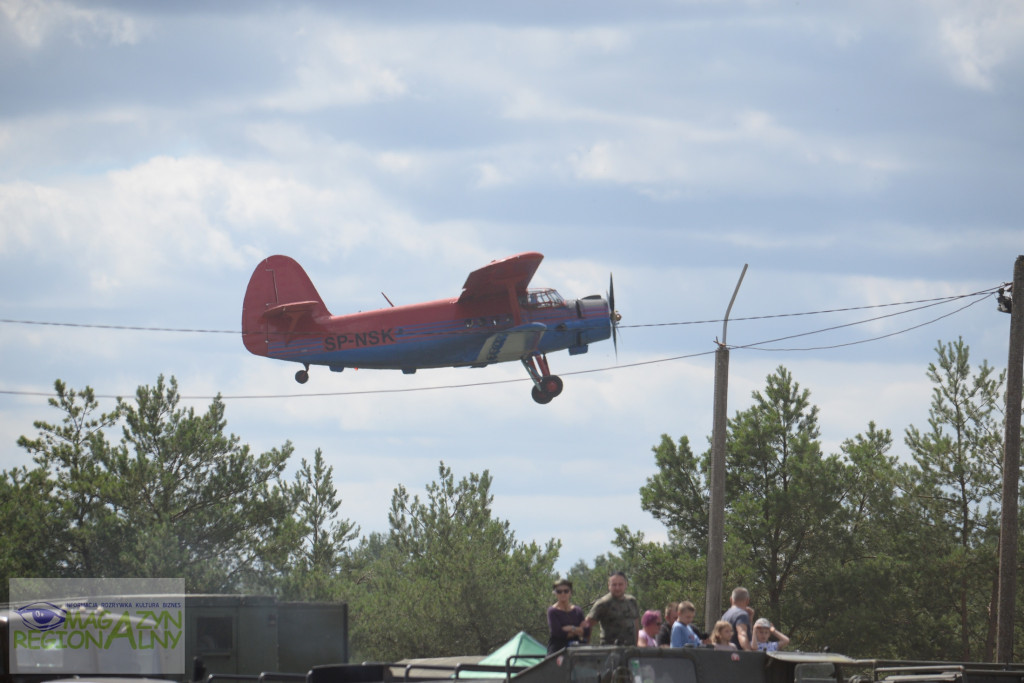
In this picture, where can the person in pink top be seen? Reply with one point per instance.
(650, 624)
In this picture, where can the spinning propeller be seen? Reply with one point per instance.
(613, 314)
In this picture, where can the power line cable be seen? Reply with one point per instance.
(938, 300)
(758, 346)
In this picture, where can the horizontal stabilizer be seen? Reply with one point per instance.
(291, 309)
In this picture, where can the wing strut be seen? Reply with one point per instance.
(513, 303)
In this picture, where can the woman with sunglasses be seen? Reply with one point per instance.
(565, 620)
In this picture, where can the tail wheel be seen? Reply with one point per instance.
(302, 376)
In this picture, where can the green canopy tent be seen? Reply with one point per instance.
(521, 643)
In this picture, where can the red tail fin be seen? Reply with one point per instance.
(280, 303)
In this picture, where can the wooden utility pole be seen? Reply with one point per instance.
(1011, 471)
(716, 504)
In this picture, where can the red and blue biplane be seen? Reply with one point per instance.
(495, 319)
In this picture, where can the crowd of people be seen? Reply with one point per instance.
(621, 622)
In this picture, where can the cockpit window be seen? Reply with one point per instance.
(541, 298)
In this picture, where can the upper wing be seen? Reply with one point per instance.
(495, 278)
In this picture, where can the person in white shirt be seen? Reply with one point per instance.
(769, 638)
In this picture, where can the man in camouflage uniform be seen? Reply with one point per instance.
(617, 612)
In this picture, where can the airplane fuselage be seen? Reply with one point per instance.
(442, 333)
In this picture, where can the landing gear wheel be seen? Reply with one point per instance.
(540, 396)
(551, 385)
(301, 376)
(545, 385)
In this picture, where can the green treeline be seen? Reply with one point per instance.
(869, 552)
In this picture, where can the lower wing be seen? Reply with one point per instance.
(511, 344)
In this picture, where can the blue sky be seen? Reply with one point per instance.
(852, 153)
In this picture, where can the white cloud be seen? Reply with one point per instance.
(28, 210)
(754, 150)
(132, 228)
(400, 163)
(978, 38)
(35, 21)
(490, 176)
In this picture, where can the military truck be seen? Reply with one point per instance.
(677, 665)
(667, 665)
